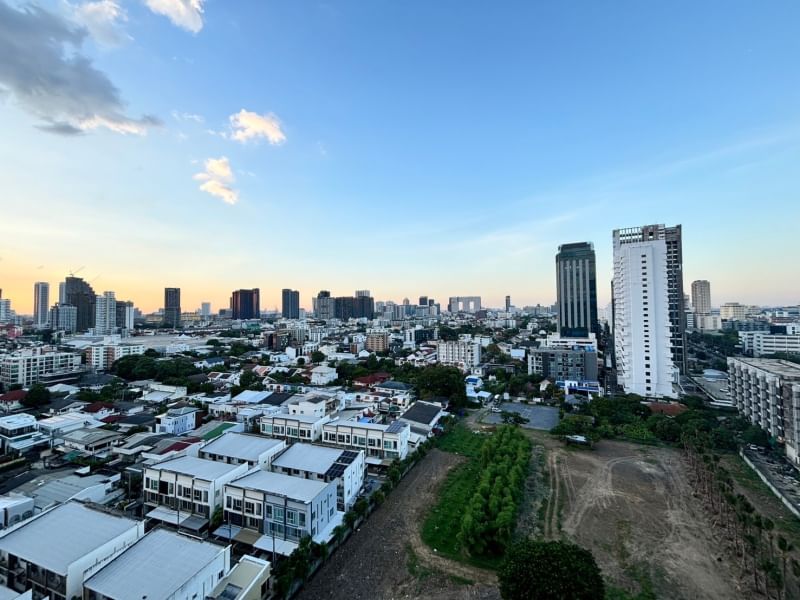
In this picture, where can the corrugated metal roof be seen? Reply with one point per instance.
(304, 490)
(155, 567)
(241, 445)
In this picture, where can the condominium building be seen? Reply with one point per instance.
(105, 320)
(733, 311)
(576, 287)
(245, 304)
(764, 343)
(64, 317)
(563, 364)
(29, 366)
(41, 303)
(701, 297)
(379, 442)
(172, 307)
(644, 349)
(57, 551)
(466, 304)
(461, 354)
(377, 341)
(767, 393)
(178, 488)
(290, 304)
(125, 314)
(80, 294)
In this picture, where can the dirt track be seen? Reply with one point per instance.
(633, 507)
(386, 558)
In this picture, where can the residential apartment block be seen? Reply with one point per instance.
(563, 364)
(461, 354)
(767, 393)
(26, 367)
(102, 356)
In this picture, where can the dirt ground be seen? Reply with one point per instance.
(632, 506)
(386, 558)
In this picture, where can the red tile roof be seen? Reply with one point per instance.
(13, 396)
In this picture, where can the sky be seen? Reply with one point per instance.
(410, 148)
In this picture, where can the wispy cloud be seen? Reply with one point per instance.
(184, 116)
(217, 178)
(246, 126)
(104, 19)
(44, 71)
(186, 14)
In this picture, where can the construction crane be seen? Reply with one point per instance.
(74, 272)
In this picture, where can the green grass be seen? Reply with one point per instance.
(462, 441)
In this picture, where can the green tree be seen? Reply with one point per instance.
(755, 435)
(539, 570)
(317, 357)
(37, 395)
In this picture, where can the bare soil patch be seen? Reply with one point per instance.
(633, 507)
(386, 557)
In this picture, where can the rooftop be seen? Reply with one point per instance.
(422, 412)
(311, 458)
(250, 397)
(195, 467)
(242, 445)
(156, 566)
(57, 538)
(783, 368)
(296, 488)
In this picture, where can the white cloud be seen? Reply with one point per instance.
(182, 116)
(103, 19)
(246, 125)
(217, 179)
(43, 70)
(186, 14)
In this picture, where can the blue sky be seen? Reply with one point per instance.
(437, 148)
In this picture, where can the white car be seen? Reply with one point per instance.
(496, 409)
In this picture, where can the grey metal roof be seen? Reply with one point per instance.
(57, 538)
(155, 567)
(307, 457)
(422, 412)
(296, 488)
(242, 446)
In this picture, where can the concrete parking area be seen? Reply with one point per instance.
(539, 417)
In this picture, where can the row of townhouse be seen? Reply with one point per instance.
(76, 550)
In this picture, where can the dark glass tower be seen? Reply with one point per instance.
(576, 283)
(172, 307)
(80, 294)
(290, 305)
(245, 304)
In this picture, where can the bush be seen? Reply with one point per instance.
(538, 570)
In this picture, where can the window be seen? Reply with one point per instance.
(277, 513)
(291, 517)
(237, 504)
(266, 428)
(372, 442)
(268, 511)
(249, 508)
(302, 519)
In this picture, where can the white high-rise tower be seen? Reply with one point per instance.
(642, 335)
(105, 314)
(41, 303)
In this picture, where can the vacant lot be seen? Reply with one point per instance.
(632, 506)
(539, 417)
(387, 559)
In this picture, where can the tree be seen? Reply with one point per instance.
(317, 357)
(512, 418)
(36, 396)
(755, 435)
(301, 361)
(538, 570)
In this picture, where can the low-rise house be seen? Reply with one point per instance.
(181, 488)
(20, 433)
(56, 552)
(345, 467)
(238, 448)
(423, 417)
(57, 426)
(164, 565)
(49, 489)
(323, 375)
(282, 508)
(293, 428)
(177, 421)
(379, 442)
(91, 442)
(14, 508)
(12, 400)
(248, 580)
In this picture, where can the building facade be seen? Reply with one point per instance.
(461, 354)
(172, 307)
(29, 366)
(80, 294)
(381, 442)
(466, 304)
(562, 364)
(41, 303)
(245, 304)
(105, 320)
(733, 311)
(64, 317)
(576, 288)
(643, 337)
(767, 393)
(701, 297)
(290, 304)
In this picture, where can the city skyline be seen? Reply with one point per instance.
(489, 139)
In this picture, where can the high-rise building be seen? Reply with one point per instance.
(344, 307)
(62, 292)
(5, 310)
(324, 305)
(576, 288)
(364, 307)
(423, 301)
(701, 297)
(125, 314)
(508, 303)
(41, 303)
(362, 294)
(467, 304)
(105, 320)
(290, 304)
(643, 342)
(245, 304)
(172, 307)
(80, 294)
(64, 317)
(733, 311)
(205, 310)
